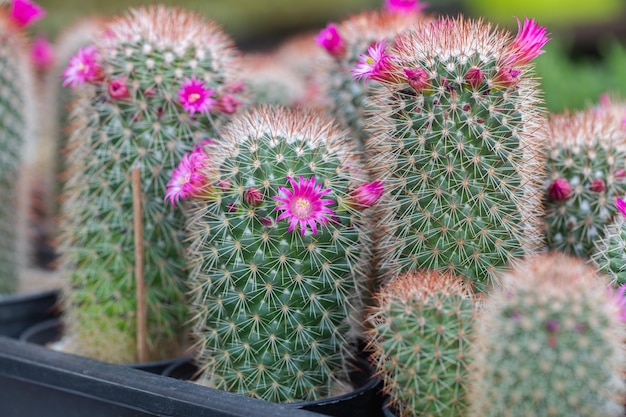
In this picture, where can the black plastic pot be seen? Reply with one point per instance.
(36, 382)
(20, 311)
(50, 331)
(365, 401)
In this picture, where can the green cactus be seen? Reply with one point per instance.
(347, 99)
(16, 136)
(144, 105)
(610, 254)
(549, 342)
(457, 142)
(586, 172)
(420, 338)
(274, 301)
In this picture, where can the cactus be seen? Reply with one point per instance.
(549, 343)
(610, 254)
(346, 42)
(586, 170)
(278, 253)
(17, 118)
(456, 140)
(155, 81)
(420, 338)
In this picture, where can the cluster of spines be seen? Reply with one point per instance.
(420, 332)
(586, 171)
(549, 342)
(610, 252)
(150, 80)
(274, 301)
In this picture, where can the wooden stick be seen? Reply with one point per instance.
(142, 340)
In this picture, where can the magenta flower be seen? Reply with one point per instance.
(417, 78)
(83, 67)
(304, 204)
(187, 179)
(195, 97)
(507, 76)
(621, 205)
(528, 43)
(474, 77)
(366, 195)
(118, 89)
(253, 196)
(560, 189)
(329, 39)
(374, 65)
(404, 6)
(597, 185)
(42, 53)
(25, 12)
(228, 104)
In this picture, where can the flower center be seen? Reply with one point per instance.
(193, 97)
(370, 61)
(301, 207)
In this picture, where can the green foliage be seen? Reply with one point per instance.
(272, 306)
(420, 336)
(548, 343)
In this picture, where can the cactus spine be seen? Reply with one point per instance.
(16, 137)
(586, 172)
(457, 142)
(610, 253)
(420, 338)
(132, 112)
(549, 343)
(273, 305)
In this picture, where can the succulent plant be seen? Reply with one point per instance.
(549, 342)
(457, 140)
(586, 171)
(155, 81)
(610, 253)
(278, 252)
(420, 333)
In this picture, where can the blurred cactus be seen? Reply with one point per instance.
(420, 337)
(586, 171)
(279, 253)
(549, 342)
(457, 140)
(155, 81)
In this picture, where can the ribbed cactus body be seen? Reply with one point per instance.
(16, 110)
(459, 154)
(586, 171)
(549, 343)
(273, 306)
(348, 99)
(420, 336)
(610, 253)
(150, 52)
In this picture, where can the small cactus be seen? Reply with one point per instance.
(586, 167)
(420, 337)
(152, 84)
(610, 253)
(278, 253)
(549, 342)
(457, 140)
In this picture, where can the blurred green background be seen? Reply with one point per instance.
(586, 57)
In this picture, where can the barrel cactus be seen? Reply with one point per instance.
(420, 333)
(586, 171)
(549, 342)
(610, 253)
(278, 253)
(457, 140)
(155, 81)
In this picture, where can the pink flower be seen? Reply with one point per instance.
(474, 77)
(118, 89)
(621, 205)
(253, 196)
(42, 53)
(374, 65)
(25, 12)
(83, 67)
(560, 189)
(619, 300)
(187, 179)
(507, 76)
(366, 195)
(404, 6)
(304, 204)
(528, 43)
(597, 185)
(330, 40)
(417, 78)
(195, 97)
(228, 104)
